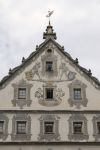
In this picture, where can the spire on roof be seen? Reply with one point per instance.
(49, 30)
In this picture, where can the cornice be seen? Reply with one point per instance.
(52, 111)
(62, 143)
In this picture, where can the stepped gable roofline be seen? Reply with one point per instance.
(13, 71)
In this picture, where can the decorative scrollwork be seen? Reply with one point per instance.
(58, 94)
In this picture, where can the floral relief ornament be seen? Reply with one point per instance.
(59, 93)
(39, 94)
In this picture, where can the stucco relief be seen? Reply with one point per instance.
(96, 134)
(53, 136)
(64, 71)
(77, 118)
(75, 85)
(39, 94)
(57, 92)
(49, 56)
(4, 134)
(34, 71)
(21, 117)
(21, 102)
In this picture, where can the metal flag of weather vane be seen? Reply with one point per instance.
(49, 15)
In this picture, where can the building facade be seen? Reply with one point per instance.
(49, 102)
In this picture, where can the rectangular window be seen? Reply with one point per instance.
(49, 66)
(77, 127)
(98, 127)
(77, 94)
(21, 127)
(1, 126)
(22, 93)
(49, 93)
(48, 127)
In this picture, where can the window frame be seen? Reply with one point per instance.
(47, 92)
(95, 121)
(50, 135)
(21, 102)
(75, 127)
(49, 66)
(49, 57)
(98, 126)
(77, 94)
(77, 84)
(5, 120)
(21, 130)
(20, 93)
(3, 126)
(21, 118)
(78, 136)
(49, 124)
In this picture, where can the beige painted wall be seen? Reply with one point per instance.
(49, 147)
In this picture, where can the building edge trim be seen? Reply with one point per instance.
(51, 143)
(52, 111)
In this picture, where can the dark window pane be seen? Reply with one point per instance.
(1, 126)
(49, 66)
(48, 127)
(98, 127)
(49, 93)
(77, 127)
(22, 93)
(21, 127)
(77, 94)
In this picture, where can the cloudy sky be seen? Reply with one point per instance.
(76, 22)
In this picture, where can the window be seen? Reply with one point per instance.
(49, 93)
(77, 127)
(98, 127)
(21, 127)
(49, 66)
(77, 94)
(1, 126)
(48, 127)
(22, 93)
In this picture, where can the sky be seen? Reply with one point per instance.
(76, 23)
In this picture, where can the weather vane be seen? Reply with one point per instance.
(49, 15)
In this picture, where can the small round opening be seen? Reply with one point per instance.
(49, 50)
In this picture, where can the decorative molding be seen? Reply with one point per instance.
(65, 71)
(21, 117)
(4, 118)
(21, 102)
(93, 112)
(49, 137)
(56, 143)
(78, 118)
(49, 56)
(34, 71)
(71, 100)
(95, 129)
(57, 92)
